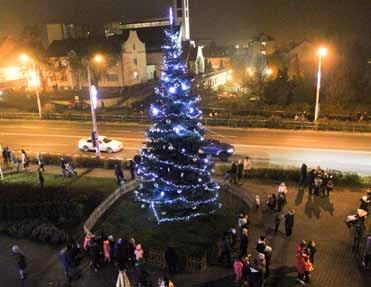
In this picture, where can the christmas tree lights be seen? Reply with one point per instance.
(175, 178)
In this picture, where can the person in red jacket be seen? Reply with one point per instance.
(300, 262)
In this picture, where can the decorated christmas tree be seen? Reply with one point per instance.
(175, 177)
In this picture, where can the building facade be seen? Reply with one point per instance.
(124, 62)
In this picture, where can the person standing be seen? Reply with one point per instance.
(268, 258)
(244, 242)
(303, 175)
(238, 268)
(247, 166)
(277, 222)
(5, 156)
(139, 253)
(40, 162)
(226, 250)
(259, 264)
(233, 173)
(20, 261)
(171, 259)
(131, 166)
(1, 174)
(280, 202)
(289, 222)
(308, 268)
(311, 178)
(24, 160)
(119, 174)
(64, 258)
(107, 251)
(63, 166)
(311, 250)
(41, 179)
(10, 158)
(367, 253)
(239, 171)
(300, 262)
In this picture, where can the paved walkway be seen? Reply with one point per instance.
(319, 219)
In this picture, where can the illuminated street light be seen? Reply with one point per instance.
(98, 58)
(93, 93)
(12, 73)
(34, 78)
(250, 72)
(269, 72)
(321, 52)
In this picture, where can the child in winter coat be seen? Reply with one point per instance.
(257, 202)
(237, 268)
(308, 268)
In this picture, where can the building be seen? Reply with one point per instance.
(60, 31)
(125, 62)
(217, 57)
(298, 58)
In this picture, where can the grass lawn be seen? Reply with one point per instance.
(101, 185)
(127, 219)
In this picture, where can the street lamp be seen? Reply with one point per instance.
(93, 93)
(269, 72)
(34, 78)
(321, 52)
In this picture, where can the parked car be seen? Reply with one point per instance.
(217, 149)
(105, 144)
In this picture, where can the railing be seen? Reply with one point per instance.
(272, 123)
(106, 204)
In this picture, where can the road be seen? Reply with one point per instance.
(341, 151)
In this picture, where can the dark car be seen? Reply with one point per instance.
(217, 149)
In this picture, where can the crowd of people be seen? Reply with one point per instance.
(125, 255)
(11, 160)
(238, 171)
(319, 182)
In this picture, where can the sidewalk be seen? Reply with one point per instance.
(318, 219)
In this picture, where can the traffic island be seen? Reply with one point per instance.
(197, 242)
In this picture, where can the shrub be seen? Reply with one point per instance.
(48, 233)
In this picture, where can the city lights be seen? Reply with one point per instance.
(322, 51)
(269, 72)
(98, 59)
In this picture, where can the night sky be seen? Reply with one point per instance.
(222, 20)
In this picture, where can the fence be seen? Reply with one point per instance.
(247, 122)
(106, 204)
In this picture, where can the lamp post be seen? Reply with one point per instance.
(34, 79)
(322, 52)
(93, 93)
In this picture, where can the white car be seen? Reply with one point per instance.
(105, 144)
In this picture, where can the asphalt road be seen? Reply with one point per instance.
(341, 151)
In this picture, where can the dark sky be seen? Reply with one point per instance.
(228, 20)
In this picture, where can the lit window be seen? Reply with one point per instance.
(135, 75)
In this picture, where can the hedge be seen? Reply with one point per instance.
(79, 161)
(291, 174)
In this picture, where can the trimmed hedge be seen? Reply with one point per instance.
(36, 229)
(79, 161)
(291, 174)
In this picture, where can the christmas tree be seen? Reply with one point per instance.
(175, 177)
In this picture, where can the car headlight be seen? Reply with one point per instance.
(230, 150)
